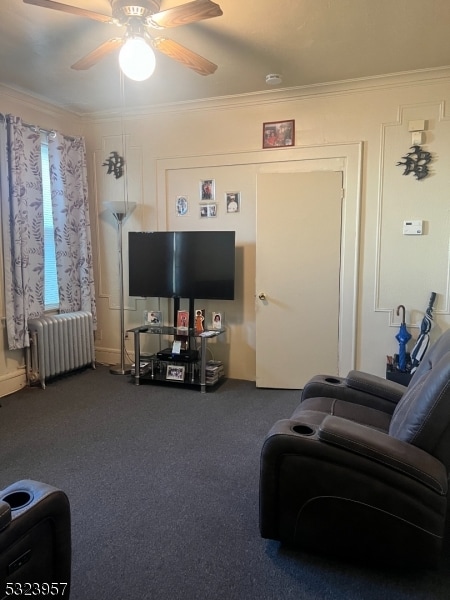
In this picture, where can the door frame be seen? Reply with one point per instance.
(345, 157)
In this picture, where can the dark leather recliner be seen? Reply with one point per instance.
(354, 480)
(371, 390)
(35, 541)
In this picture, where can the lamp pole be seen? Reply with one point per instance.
(120, 211)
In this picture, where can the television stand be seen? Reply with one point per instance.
(188, 367)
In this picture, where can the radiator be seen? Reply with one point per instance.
(59, 344)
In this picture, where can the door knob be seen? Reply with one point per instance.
(262, 296)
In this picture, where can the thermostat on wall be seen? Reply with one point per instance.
(412, 227)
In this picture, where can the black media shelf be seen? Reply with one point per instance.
(187, 369)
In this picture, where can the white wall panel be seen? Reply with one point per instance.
(410, 267)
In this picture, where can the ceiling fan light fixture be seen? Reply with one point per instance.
(137, 59)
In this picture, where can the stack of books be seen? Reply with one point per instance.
(214, 371)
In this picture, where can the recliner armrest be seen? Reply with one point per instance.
(44, 511)
(358, 388)
(366, 382)
(383, 448)
(5, 515)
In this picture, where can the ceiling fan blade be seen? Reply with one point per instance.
(73, 10)
(183, 55)
(197, 10)
(93, 57)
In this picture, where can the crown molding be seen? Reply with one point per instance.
(395, 80)
(34, 102)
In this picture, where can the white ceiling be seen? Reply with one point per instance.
(306, 41)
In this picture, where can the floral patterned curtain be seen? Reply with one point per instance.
(22, 227)
(74, 263)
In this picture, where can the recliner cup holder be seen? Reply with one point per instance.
(303, 429)
(332, 380)
(18, 499)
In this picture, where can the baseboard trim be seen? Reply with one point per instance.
(12, 382)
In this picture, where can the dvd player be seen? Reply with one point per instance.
(183, 356)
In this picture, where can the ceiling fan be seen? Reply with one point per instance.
(140, 17)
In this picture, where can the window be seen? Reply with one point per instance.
(51, 294)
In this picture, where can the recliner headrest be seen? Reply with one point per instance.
(423, 414)
(432, 357)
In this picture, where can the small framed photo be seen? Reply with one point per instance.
(217, 320)
(208, 211)
(199, 320)
(279, 134)
(182, 206)
(175, 372)
(207, 191)
(153, 318)
(183, 319)
(233, 202)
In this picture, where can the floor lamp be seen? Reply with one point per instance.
(120, 211)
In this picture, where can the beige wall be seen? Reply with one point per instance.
(213, 137)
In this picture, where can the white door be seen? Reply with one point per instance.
(298, 258)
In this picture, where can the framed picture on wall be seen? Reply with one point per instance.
(208, 211)
(207, 191)
(279, 134)
(233, 202)
(182, 206)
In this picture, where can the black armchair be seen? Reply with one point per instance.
(371, 390)
(35, 541)
(356, 481)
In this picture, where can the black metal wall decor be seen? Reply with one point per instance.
(415, 162)
(115, 164)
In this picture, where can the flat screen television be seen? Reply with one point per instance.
(182, 264)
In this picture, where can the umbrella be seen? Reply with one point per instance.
(423, 340)
(403, 337)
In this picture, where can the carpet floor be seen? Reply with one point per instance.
(163, 488)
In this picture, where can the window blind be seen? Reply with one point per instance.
(51, 282)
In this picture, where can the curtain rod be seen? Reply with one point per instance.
(49, 132)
